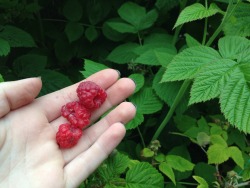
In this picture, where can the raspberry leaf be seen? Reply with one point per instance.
(1, 78)
(72, 10)
(73, 31)
(211, 80)
(236, 155)
(217, 154)
(179, 163)
(202, 182)
(168, 171)
(91, 67)
(143, 175)
(187, 64)
(17, 37)
(136, 121)
(139, 81)
(196, 12)
(4, 48)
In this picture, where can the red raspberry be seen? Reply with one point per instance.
(68, 136)
(91, 95)
(76, 114)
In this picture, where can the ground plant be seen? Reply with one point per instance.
(190, 60)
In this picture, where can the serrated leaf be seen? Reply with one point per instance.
(91, 33)
(236, 155)
(119, 163)
(201, 181)
(205, 171)
(111, 33)
(239, 22)
(73, 10)
(4, 47)
(73, 31)
(196, 12)
(146, 101)
(136, 121)
(168, 171)
(187, 64)
(191, 41)
(211, 80)
(91, 67)
(121, 27)
(217, 154)
(123, 54)
(139, 81)
(143, 175)
(179, 163)
(53, 81)
(235, 100)
(235, 48)
(17, 37)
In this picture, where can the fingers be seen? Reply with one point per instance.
(51, 104)
(18, 93)
(122, 113)
(84, 164)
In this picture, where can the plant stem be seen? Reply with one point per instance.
(227, 15)
(177, 100)
(243, 184)
(205, 27)
(142, 140)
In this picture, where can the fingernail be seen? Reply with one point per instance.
(119, 73)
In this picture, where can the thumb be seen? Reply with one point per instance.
(15, 94)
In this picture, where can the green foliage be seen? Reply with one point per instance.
(190, 61)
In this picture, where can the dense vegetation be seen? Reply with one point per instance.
(191, 64)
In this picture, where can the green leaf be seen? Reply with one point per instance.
(119, 163)
(239, 22)
(179, 163)
(167, 91)
(53, 81)
(91, 67)
(120, 26)
(17, 37)
(235, 100)
(146, 152)
(30, 65)
(4, 47)
(111, 33)
(136, 121)
(143, 175)
(73, 31)
(187, 64)
(132, 13)
(196, 12)
(211, 80)
(235, 48)
(236, 154)
(123, 54)
(91, 33)
(146, 101)
(160, 157)
(168, 171)
(148, 20)
(139, 81)
(201, 181)
(217, 139)
(1, 78)
(191, 42)
(217, 154)
(73, 10)
(205, 171)
(203, 139)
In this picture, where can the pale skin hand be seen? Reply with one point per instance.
(29, 154)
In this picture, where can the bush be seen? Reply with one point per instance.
(191, 65)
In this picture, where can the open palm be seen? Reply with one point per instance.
(29, 154)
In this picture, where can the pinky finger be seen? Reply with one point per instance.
(85, 163)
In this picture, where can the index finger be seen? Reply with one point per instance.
(51, 104)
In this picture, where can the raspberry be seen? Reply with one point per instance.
(76, 114)
(91, 95)
(68, 136)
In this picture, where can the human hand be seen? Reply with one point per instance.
(29, 154)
